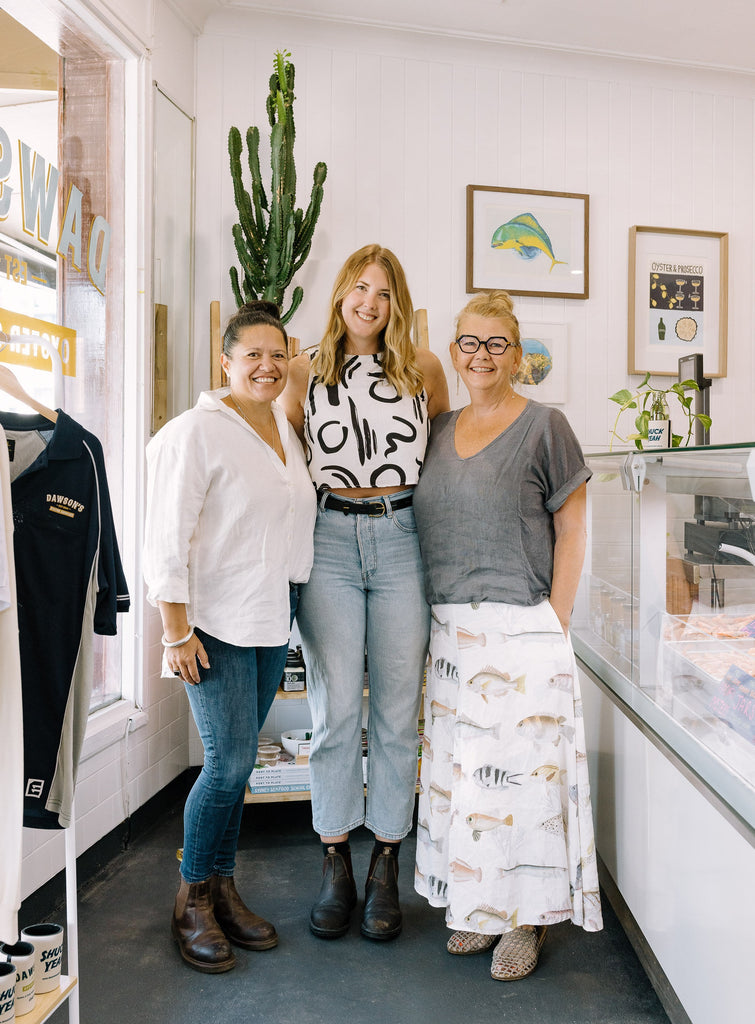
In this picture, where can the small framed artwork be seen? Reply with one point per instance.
(530, 243)
(678, 299)
(542, 372)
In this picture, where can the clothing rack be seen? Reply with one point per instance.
(47, 1003)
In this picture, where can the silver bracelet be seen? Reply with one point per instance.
(177, 643)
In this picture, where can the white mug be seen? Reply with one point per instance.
(47, 940)
(21, 955)
(7, 992)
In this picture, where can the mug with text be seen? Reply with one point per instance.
(21, 955)
(47, 940)
(7, 992)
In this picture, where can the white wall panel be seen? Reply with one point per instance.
(406, 121)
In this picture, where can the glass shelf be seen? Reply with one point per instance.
(665, 616)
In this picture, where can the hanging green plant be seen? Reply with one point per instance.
(652, 403)
(272, 238)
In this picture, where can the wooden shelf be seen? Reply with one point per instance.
(275, 798)
(302, 694)
(45, 1003)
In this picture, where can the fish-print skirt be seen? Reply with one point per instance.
(505, 832)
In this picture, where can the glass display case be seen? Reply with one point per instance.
(665, 616)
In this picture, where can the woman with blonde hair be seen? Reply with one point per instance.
(505, 835)
(362, 402)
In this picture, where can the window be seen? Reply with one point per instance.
(61, 243)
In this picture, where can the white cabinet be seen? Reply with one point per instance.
(664, 630)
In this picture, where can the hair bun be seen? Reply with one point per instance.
(261, 306)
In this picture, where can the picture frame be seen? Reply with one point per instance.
(678, 299)
(543, 372)
(528, 242)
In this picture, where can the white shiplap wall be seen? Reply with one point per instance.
(405, 121)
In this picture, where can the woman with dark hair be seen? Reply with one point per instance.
(505, 835)
(363, 403)
(228, 538)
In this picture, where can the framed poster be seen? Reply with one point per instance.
(542, 374)
(678, 299)
(530, 243)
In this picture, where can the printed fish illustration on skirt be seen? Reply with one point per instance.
(492, 683)
(562, 681)
(438, 710)
(488, 920)
(545, 729)
(464, 872)
(465, 638)
(489, 777)
(480, 823)
(548, 773)
(445, 670)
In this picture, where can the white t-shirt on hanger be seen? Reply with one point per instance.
(11, 719)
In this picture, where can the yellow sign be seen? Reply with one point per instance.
(31, 353)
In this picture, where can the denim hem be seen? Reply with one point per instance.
(392, 836)
(338, 832)
(194, 881)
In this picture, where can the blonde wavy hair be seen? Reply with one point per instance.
(498, 306)
(399, 362)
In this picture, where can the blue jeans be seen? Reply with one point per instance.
(366, 588)
(229, 706)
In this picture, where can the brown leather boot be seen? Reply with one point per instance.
(239, 924)
(382, 914)
(200, 940)
(329, 917)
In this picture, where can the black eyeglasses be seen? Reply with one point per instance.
(469, 343)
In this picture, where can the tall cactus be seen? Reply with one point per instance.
(272, 239)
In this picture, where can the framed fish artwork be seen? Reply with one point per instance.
(542, 373)
(678, 299)
(528, 242)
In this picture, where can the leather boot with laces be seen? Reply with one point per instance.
(382, 914)
(200, 940)
(238, 923)
(331, 913)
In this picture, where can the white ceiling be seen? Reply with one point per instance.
(713, 33)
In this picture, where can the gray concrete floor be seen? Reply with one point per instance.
(131, 972)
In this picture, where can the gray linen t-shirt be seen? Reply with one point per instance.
(485, 523)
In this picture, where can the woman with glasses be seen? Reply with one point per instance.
(363, 402)
(505, 836)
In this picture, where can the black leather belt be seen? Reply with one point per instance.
(372, 507)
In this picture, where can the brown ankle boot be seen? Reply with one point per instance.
(382, 914)
(239, 924)
(200, 940)
(329, 917)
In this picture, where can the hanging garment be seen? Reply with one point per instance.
(70, 584)
(11, 748)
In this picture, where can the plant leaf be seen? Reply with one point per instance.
(621, 397)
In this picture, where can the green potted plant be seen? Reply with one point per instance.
(652, 404)
(272, 238)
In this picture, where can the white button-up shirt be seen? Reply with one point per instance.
(228, 524)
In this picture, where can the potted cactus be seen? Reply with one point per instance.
(272, 237)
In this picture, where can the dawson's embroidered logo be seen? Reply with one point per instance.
(64, 506)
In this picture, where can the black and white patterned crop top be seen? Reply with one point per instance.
(361, 432)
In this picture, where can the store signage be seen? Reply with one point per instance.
(38, 181)
(30, 352)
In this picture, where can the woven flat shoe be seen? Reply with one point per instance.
(464, 943)
(516, 954)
